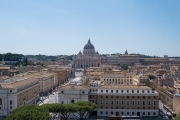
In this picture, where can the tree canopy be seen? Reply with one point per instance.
(11, 57)
(29, 112)
(177, 117)
(80, 110)
(124, 66)
(151, 77)
(84, 108)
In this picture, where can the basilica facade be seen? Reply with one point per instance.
(88, 58)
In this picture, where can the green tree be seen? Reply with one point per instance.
(151, 77)
(29, 112)
(124, 66)
(177, 117)
(63, 109)
(66, 110)
(83, 109)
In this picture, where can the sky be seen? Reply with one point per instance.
(63, 27)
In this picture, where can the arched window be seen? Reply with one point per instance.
(72, 101)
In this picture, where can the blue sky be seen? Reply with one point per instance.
(56, 27)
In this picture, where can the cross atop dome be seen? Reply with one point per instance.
(89, 41)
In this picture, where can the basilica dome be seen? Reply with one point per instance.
(89, 45)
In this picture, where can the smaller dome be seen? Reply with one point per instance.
(89, 45)
(80, 53)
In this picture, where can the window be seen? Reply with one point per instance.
(122, 102)
(143, 113)
(154, 97)
(137, 91)
(106, 112)
(116, 96)
(132, 113)
(127, 91)
(149, 102)
(111, 113)
(117, 102)
(132, 96)
(122, 113)
(127, 113)
(154, 113)
(106, 91)
(111, 96)
(148, 113)
(122, 91)
(101, 96)
(101, 91)
(112, 102)
(101, 102)
(143, 102)
(111, 91)
(142, 91)
(133, 102)
(101, 112)
(106, 96)
(10, 107)
(148, 91)
(10, 102)
(62, 91)
(83, 92)
(62, 102)
(143, 97)
(138, 97)
(128, 102)
(154, 102)
(138, 102)
(128, 97)
(106, 102)
(10, 91)
(116, 91)
(132, 91)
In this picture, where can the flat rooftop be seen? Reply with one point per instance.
(125, 86)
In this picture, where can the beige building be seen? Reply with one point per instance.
(47, 82)
(16, 92)
(89, 58)
(128, 59)
(113, 78)
(114, 94)
(130, 100)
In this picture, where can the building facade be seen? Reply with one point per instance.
(113, 99)
(89, 58)
(17, 92)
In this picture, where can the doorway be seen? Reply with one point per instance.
(138, 114)
(117, 113)
(72, 101)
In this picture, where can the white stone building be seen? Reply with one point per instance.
(89, 58)
(74, 91)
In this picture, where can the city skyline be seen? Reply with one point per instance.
(64, 27)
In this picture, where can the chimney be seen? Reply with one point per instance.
(14, 77)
